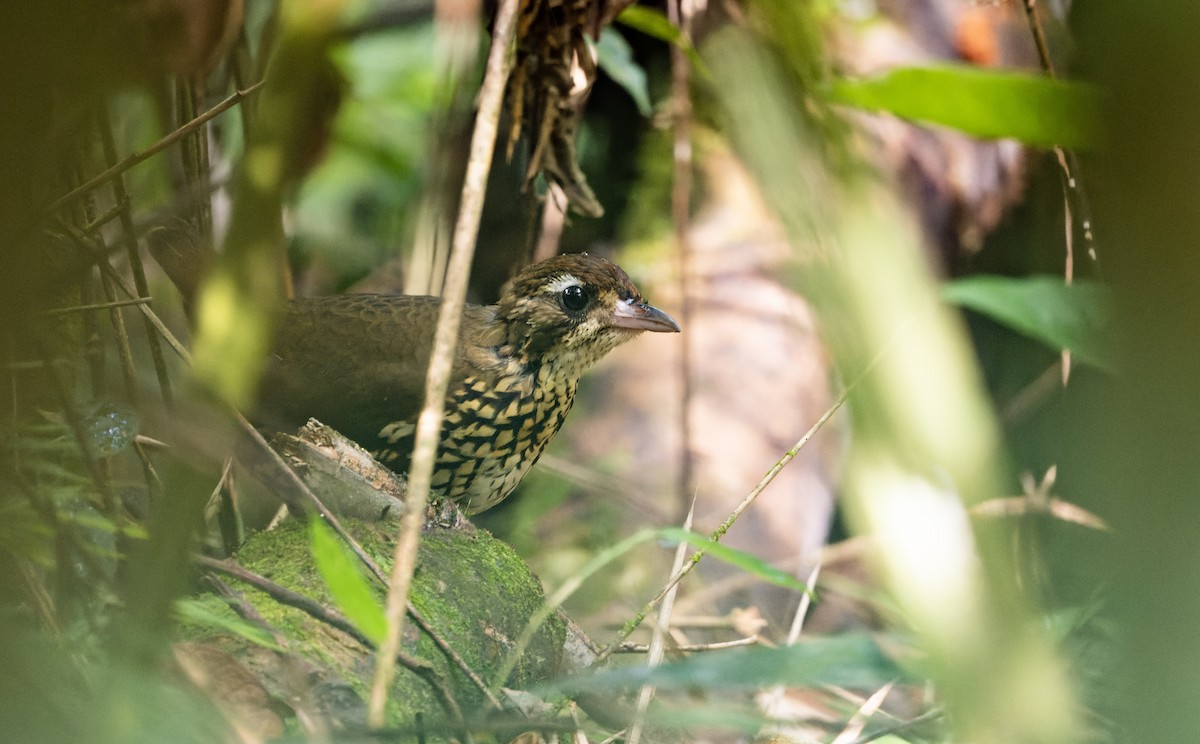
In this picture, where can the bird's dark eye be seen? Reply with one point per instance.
(574, 298)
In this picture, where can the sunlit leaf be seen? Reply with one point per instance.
(345, 581)
(616, 59)
(985, 103)
(1064, 316)
(745, 561)
(656, 25)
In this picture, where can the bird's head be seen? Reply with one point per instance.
(575, 309)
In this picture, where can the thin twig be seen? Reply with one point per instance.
(859, 720)
(137, 157)
(97, 306)
(720, 531)
(681, 199)
(97, 248)
(238, 602)
(115, 278)
(802, 608)
(284, 596)
(334, 619)
(483, 140)
(129, 238)
(929, 715)
(560, 595)
(1068, 163)
(291, 484)
(642, 648)
(658, 638)
(454, 656)
(105, 217)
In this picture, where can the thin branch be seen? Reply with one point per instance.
(642, 648)
(97, 306)
(291, 484)
(119, 283)
(137, 157)
(860, 718)
(99, 250)
(681, 199)
(483, 140)
(658, 639)
(560, 595)
(129, 238)
(802, 608)
(105, 217)
(240, 605)
(1068, 163)
(454, 656)
(929, 715)
(720, 531)
(284, 596)
(334, 619)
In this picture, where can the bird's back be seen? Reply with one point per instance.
(356, 362)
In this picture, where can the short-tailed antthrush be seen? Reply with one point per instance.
(358, 363)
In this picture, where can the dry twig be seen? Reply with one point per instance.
(483, 139)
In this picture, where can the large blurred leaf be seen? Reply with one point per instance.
(984, 103)
(846, 660)
(1073, 316)
(345, 581)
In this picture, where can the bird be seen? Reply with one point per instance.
(357, 363)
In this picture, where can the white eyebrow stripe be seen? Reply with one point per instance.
(563, 281)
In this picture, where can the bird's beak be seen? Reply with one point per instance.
(638, 316)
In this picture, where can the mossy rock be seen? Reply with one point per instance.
(472, 589)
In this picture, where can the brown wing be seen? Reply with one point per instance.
(355, 362)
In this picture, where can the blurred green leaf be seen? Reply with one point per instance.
(652, 23)
(845, 660)
(656, 25)
(748, 563)
(93, 520)
(985, 103)
(196, 611)
(616, 59)
(1065, 316)
(345, 581)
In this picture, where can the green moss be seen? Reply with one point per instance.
(471, 588)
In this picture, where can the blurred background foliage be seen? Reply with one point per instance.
(975, 219)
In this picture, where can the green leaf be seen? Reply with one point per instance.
(652, 23)
(616, 59)
(346, 583)
(748, 563)
(657, 26)
(985, 103)
(195, 611)
(845, 660)
(1073, 316)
